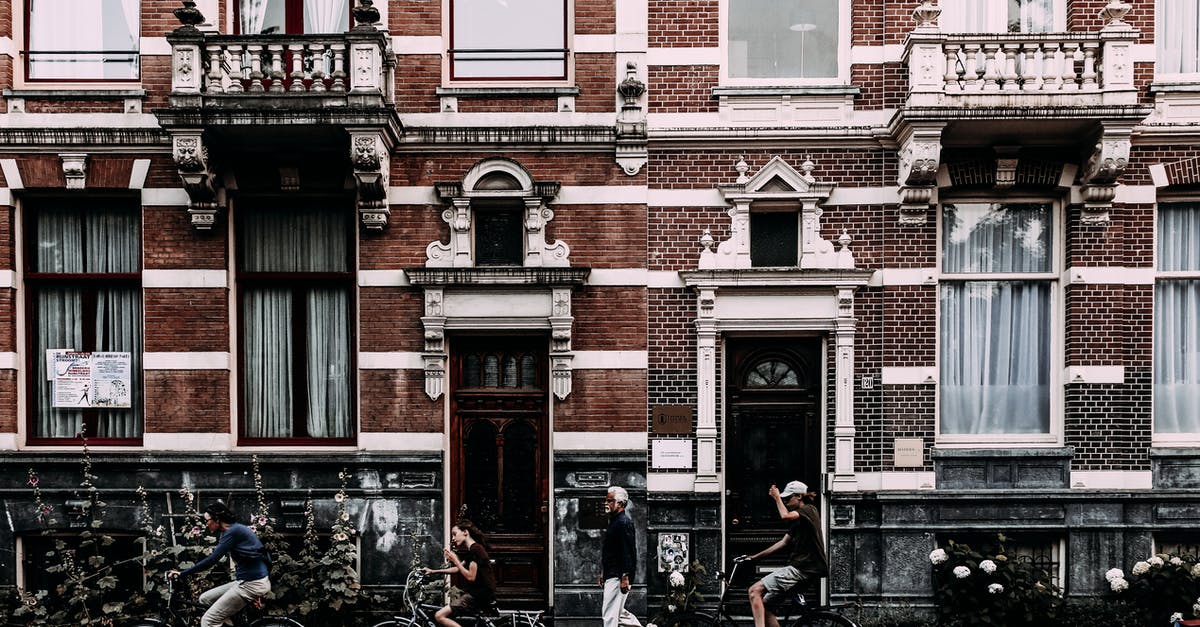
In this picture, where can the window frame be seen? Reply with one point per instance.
(449, 78)
(843, 54)
(998, 15)
(1182, 439)
(26, 17)
(294, 281)
(30, 283)
(1054, 436)
(1171, 77)
(293, 18)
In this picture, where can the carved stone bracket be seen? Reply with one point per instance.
(370, 157)
(561, 356)
(434, 357)
(74, 169)
(1006, 166)
(1100, 174)
(191, 159)
(920, 157)
(776, 183)
(632, 139)
(490, 180)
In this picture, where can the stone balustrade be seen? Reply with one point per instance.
(1021, 62)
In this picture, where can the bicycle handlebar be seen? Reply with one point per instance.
(742, 558)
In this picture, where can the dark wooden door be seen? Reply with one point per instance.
(773, 436)
(500, 450)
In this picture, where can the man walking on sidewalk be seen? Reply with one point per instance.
(618, 559)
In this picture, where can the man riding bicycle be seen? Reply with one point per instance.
(806, 561)
(251, 567)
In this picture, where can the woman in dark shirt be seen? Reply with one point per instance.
(476, 568)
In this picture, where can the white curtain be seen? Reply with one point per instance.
(1176, 26)
(995, 335)
(1030, 16)
(965, 16)
(997, 16)
(1176, 326)
(326, 16)
(91, 240)
(254, 16)
(296, 241)
(76, 30)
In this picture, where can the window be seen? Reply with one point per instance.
(264, 17)
(774, 238)
(498, 231)
(1176, 310)
(1000, 16)
(497, 40)
(84, 295)
(1183, 544)
(295, 282)
(1176, 35)
(82, 39)
(784, 39)
(1041, 551)
(996, 320)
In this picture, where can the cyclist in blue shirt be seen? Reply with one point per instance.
(251, 567)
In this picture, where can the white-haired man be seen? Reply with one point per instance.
(618, 559)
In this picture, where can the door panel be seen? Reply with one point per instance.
(772, 436)
(500, 456)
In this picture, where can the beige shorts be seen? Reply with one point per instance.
(780, 582)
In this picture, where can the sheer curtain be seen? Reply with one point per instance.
(253, 16)
(995, 335)
(1030, 16)
(326, 16)
(1176, 26)
(1176, 330)
(96, 241)
(73, 27)
(296, 241)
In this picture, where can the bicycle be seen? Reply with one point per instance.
(421, 614)
(799, 613)
(181, 612)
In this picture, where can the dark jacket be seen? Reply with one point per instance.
(243, 544)
(619, 555)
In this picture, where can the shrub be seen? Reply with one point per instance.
(973, 588)
(902, 615)
(683, 593)
(1159, 587)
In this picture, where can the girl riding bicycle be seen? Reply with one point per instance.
(475, 568)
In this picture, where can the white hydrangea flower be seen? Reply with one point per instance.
(995, 588)
(962, 572)
(987, 566)
(1176, 561)
(675, 579)
(671, 607)
(1196, 609)
(1114, 573)
(1141, 568)
(1176, 617)
(1119, 585)
(938, 556)
(1155, 561)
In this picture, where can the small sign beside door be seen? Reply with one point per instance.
(671, 419)
(670, 454)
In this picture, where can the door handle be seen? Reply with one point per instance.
(734, 522)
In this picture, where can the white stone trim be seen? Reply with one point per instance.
(7, 48)
(8, 442)
(154, 46)
(1158, 174)
(604, 441)
(6, 197)
(908, 375)
(1108, 275)
(390, 441)
(683, 56)
(184, 278)
(631, 25)
(11, 174)
(1137, 194)
(1187, 440)
(1112, 479)
(895, 480)
(1094, 374)
(8, 278)
(595, 43)
(164, 197)
(908, 276)
(82, 120)
(186, 360)
(394, 360)
(137, 175)
(382, 278)
(711, 197)
(413, 195)
(188, 441)
(9, 361)
(418, 44)
(670, 482)
(665, 279)
(565, 119)
(611, 360)
(636, 277)
(1144, 53)
(888, 53)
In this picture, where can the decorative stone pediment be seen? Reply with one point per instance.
(780, 186)
(495, 180)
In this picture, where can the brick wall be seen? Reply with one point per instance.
(417, 78)
(169, 242)
(603, 400)
(395, 401)
(681, 88)
(705, 169)
(390, 319)
(596, 76)
(193, 319)
(609, 319)
(601, 236)
(1109, 425)
(565, 168)
(187, 401)
(415, 18)
(909, 325)
(8, 400)
(683, 23)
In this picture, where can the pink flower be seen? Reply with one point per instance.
(33, 480)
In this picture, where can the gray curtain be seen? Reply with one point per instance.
(1177, 322)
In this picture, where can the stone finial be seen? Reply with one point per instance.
(926, 14)
(365, 15)
(631, 88)
(1113, 13)
(189, 15)
(742, 168)
(706, 240)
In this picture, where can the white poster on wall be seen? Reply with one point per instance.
(82, 380)
(110, 379)
(671, 453)
(72, 380)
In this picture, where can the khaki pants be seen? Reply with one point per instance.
(613, 606)
(225, 601)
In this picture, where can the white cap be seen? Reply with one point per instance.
(793, 487)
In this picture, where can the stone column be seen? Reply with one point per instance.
(706, 395)
(843, 430)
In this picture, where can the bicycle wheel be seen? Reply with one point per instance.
(823, 618)
(146, 622)
(399, 622)
(691, 619)
(275, 621)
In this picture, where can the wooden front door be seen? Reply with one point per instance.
(500, 450)
(773, 436)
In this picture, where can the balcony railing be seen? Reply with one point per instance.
(345, 64)
(1064, 69)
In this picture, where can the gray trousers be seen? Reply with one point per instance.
(227, 600)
